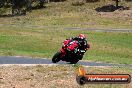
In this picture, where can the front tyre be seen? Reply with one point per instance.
(74, 61)
(56, 57)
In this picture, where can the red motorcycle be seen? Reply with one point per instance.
(69, 52)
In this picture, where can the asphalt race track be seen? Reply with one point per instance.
(27, 60)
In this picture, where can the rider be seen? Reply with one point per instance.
(81, 41)
(83, 45)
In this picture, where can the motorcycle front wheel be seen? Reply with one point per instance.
(74, 62)
(56, 57)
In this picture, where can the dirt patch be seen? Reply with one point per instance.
(44, 76)
(117, 14)
(36, 77)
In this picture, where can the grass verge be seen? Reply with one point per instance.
(105, 46)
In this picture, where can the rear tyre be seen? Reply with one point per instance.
(56, 57)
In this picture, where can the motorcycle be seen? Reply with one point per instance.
(71, 54)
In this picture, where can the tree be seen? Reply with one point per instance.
(2, 2)
(117, 3)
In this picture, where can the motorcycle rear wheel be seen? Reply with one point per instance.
(56, 57)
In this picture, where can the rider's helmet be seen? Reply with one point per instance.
(82, 36)
(81, 39)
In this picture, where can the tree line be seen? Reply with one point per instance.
(20, 6)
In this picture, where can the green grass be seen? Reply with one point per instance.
(106, 47)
